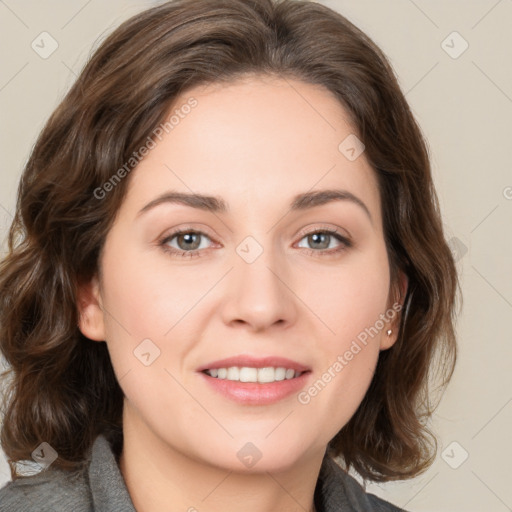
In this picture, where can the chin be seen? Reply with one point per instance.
(244, 455)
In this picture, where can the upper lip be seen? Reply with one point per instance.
(255, 362)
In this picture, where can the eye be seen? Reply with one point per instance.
(187, 240)
(321, 240)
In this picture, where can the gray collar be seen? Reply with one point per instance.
(109, 491)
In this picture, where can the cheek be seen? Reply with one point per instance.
(341, 389)
(349, 297)
(147, 306)
(345, 369)
(143, 298)
(350, 302)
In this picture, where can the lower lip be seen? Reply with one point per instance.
(255, 393)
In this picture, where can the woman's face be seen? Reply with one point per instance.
(248, 280)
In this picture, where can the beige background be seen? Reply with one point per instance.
(464, 106)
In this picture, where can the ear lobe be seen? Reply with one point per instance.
(91, 319)
(397, 295)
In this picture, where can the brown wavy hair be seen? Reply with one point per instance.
(59, 386)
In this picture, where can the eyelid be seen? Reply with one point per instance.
(187, 228)
(320, 227)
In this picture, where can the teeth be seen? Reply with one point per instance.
(248, 374)
(233, 373)
(290, 374)
(280, 373)
(266, 375)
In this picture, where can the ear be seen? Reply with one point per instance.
(91, 321)
(397, 295)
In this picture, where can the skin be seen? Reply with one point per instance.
(255, 143)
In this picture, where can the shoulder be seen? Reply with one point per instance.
(370, 501)
(51, 490)
(342, 490)
(96, 485)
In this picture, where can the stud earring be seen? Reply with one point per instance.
(388, 332)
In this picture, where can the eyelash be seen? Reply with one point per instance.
(346, 243)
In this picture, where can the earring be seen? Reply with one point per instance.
(388, 332)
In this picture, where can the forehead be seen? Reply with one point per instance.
(256, 141)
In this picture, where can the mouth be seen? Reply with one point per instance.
(245, 368)
(255, 381)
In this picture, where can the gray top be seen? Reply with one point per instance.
(100, 487)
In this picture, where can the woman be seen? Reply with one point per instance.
(176, 339)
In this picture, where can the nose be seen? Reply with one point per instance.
(260, 292)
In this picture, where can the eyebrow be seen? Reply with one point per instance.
(216, 204)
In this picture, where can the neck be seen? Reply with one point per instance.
(159, 478)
